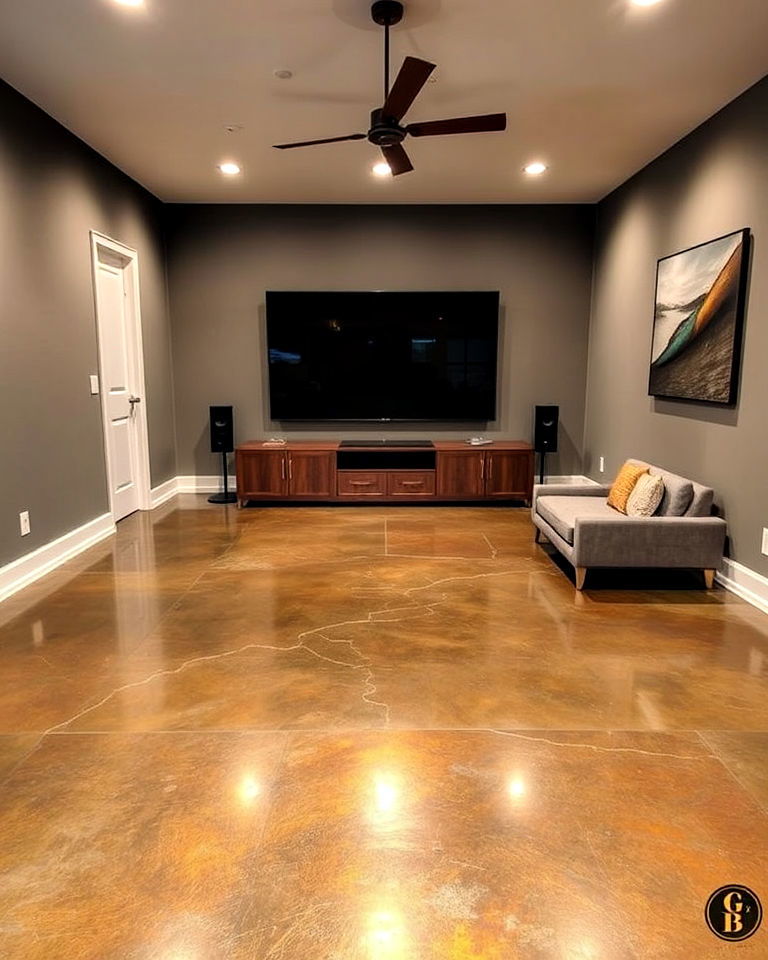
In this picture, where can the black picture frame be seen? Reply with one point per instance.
(703, 350)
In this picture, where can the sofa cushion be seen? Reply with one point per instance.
(561, 512)
(678, 493)
(701, 505)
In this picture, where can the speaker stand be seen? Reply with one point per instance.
(542, 455)
(226, 496)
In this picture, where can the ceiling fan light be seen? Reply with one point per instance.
(381, 169)
(229, 169)
(535, 168)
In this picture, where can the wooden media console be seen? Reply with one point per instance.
(446, 471)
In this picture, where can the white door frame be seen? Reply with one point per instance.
(106, 250)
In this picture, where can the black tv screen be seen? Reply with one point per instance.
(382, 356)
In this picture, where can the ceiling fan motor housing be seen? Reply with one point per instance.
(385, 130)
(387, 12)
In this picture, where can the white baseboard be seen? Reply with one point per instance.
(198, 483)
(203, 484)
(25, 570)
(745, 583)
(568, 478)
(212, 484)
(163, 492)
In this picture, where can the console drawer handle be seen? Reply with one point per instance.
(412, 483)
(361, 483)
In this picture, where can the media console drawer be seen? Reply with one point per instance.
(409, 483)
(358, 483)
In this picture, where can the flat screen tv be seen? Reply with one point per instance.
(381, 356)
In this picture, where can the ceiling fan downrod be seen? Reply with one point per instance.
(386, 13)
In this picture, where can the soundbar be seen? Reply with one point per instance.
(386, 443)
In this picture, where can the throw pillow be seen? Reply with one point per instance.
(624, 484)
(678, 493)
(645, 498)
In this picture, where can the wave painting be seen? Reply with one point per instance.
(697, 324)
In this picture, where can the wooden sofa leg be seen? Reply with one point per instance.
(709, 579)
(581, 576)
(537, 536)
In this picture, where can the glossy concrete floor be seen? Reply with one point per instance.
(384, 734)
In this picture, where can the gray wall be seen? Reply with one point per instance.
(53, 191)
(223, 258)
(713, 182)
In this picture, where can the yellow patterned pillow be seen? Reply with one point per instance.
(624, 484)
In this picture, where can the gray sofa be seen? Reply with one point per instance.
(577, 521)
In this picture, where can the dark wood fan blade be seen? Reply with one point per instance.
(412, 77)
(397, 159)
(312, 143)
(438, 128)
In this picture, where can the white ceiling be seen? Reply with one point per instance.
(597, 88)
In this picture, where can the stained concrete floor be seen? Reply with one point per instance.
(375, 733)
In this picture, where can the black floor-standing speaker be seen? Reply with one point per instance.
(545, 417)
(223, 442)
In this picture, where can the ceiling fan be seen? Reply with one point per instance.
(386, 130)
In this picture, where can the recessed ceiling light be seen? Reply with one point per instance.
(535, 169)
(130, 3)
(381, 169)
(283, 74)
(229, 169)
(644, 3)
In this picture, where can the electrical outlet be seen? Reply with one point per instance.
(24, 523)
(765, 541)
(602, 464)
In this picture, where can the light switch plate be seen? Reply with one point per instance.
(765, 541)
(24, 523)
(94, 385)
(602, 464)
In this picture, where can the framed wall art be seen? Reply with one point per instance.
(698, 319)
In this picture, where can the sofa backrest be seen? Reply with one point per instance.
(682, 497)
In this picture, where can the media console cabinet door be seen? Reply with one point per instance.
(508, 474)
(461, 473)
(311, 474)
(261, 474)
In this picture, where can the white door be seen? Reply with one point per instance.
(120, 375)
